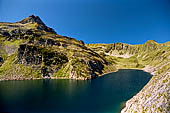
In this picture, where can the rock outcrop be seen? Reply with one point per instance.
(1, 60)
(36, 20)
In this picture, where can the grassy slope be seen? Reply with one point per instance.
(16, 71)
(78, 55)
(10, 69)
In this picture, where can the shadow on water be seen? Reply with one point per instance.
(105, 94)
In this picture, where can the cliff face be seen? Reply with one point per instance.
(29, 50)
(151, 57)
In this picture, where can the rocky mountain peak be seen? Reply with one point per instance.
(32, 19)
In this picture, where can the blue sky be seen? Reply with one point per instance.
(97, 21)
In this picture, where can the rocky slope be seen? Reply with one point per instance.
(151, 57)
(31, 50)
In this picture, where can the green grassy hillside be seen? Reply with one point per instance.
(31, 50)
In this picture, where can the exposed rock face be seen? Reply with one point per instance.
(1, 60)
(95, 66)
(29, 55)
(32, 19)
(120, 49)
(33, 55)
(35, 19)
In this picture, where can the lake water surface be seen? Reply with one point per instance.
(106, 94)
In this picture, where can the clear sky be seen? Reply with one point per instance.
(97, 21)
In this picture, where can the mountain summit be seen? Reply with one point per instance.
(37, 22)
(32, 19)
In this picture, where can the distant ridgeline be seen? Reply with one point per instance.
(31, 50)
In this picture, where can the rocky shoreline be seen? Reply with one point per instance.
(154, 97)
(80, 78)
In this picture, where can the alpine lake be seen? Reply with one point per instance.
(106, 94)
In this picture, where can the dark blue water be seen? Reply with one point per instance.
(106, 94)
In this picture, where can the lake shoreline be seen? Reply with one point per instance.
(146, 69)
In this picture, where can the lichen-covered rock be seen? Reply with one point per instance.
(95, 66)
